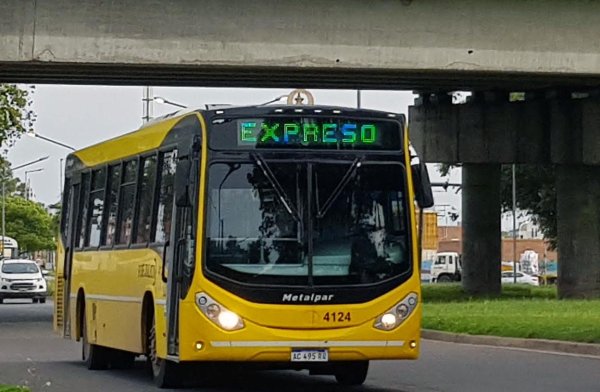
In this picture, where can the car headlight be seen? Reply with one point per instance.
(396, 315)
(218, 314)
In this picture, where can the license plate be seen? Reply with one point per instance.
(310, 356)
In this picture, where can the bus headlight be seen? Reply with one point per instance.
(396, 315)
(218, 314)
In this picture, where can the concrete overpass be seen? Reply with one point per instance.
(549, 49)
(382, 44)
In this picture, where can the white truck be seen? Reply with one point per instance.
(447, 267)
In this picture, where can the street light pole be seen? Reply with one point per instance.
(3, 214)
(147, 99)
(27, 182)
(514, 208)
(33, 134)
(167, 102)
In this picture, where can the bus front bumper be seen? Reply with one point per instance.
(201, 340)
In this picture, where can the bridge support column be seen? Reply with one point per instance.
(481, 229)
(578, 225)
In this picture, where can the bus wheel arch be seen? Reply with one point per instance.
(95, 357)
(165, 373)
(80, 314)
(147, 319)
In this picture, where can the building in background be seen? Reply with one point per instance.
(533, 253)
(429, 245)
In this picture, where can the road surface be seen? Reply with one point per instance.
(31, 354)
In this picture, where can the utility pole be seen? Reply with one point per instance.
(147, 107)
(514, 208)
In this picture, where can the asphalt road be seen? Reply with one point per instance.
(30, 354)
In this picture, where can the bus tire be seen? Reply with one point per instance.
(165, 373)
(42, 300)
(120, 359)
(351, 373)
(95, 357)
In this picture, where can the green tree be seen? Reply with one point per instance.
(16, 116)
(536, 194)
(30, 224)
(13, 186)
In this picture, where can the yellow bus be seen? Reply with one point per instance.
(282, 236)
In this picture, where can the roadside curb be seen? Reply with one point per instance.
(558, 346)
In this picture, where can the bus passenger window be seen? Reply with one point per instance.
(83, 210)
(111, 203)
(126, 201)
(96, 206)
(144, 213)
(165, 196)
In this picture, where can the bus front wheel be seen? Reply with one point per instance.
(351, 373)
(165, 373)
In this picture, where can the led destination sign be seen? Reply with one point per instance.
(317, 133)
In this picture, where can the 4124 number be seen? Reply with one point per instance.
(336, 317)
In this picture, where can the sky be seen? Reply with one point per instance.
(83, 115)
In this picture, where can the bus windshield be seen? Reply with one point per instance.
(307, 223)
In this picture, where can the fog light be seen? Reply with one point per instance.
(199, 346)
(412, 344)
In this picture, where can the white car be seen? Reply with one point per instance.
(21, 279)
(508, 277)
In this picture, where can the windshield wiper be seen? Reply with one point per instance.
(266, 170)
(338, 189)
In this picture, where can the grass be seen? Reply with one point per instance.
(13, 388)
(521, 311)
(454, 293)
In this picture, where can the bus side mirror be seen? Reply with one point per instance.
(423, 192)
(181, 186)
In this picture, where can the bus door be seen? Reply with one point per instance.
(180, 255)
(70, 243)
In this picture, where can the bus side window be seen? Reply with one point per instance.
(83, 200)
(126, 202)
(146, 192)
(114, 181)
(168, 163)
(96, 207)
